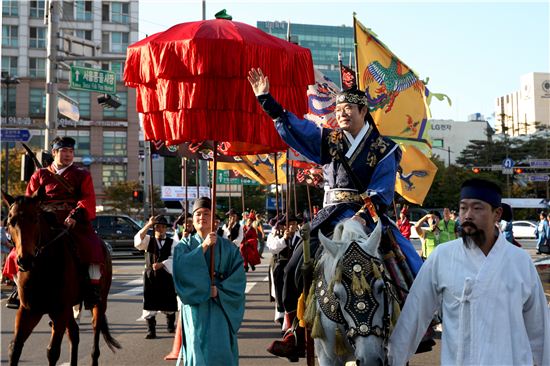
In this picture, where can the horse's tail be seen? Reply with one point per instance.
(112, 343)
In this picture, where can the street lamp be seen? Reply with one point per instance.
(7, 80)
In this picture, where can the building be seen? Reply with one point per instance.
(450, 138)
(527, 109)
(107, 139)
(324, 41)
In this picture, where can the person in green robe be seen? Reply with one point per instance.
(211, 312)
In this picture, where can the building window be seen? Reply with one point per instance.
(116, 12)
(8, 104)
(84, 34)
(114, 42)
(115, 66)
(83, 10)
(114, 143)
(10, 35)
(37, 103)
(9, 65)
(37, 67)
(37, 37)
(82, 138)
(36, 8)
(120, 112)
(438, 143)
(67, 12)
(83, 99)
(10, 7)
(113, 173)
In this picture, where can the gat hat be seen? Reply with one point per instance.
(231, 212)
(353, 96)
(61, 142)
(482, 190)
(202, 202)
(160, 220)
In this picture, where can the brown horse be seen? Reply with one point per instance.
(49, 281)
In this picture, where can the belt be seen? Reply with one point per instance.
(59, 206)
(341, 195)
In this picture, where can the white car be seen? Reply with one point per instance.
(524, 229)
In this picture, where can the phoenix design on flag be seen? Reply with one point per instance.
(392, 81)
(406, 178)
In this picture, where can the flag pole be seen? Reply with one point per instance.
(357, 73)
(276, 168)
(340, 67)
(294, 190)
(287, 201)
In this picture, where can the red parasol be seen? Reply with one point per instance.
(191, 84)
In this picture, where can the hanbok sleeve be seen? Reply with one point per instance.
(190, 272)
(231, 288)
(420, 306)
(382, 184)
(537, 322)
(302, 135)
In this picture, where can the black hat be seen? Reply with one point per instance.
(231, 212)
(202, 202)
(160, 220)
(353, 96)
(61, 142)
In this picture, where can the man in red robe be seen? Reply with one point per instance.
(69, 193)
(249, 245)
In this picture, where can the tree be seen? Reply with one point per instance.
(119, 199)
(16, 187)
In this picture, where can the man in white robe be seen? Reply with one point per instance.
(488, 291)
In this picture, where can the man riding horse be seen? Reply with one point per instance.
(359, 168)
(69, 194)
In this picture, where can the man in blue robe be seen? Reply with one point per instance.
(211, 312)
(367, 176)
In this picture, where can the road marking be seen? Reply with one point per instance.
(250, 285)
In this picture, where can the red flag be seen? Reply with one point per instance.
(348, 77)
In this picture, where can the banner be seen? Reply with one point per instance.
(414, 175)
(395, 93)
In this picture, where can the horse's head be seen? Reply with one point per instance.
(23, 225)
(362, 293)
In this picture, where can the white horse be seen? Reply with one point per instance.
(352, 304)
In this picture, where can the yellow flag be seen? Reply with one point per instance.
(396, 95)
(258, 167)
(415, 175)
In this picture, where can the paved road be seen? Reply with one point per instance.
(257, 330)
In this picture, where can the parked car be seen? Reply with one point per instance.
(524, 229)
(117, 230)
(414, 234)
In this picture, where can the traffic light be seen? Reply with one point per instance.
(476, 170)
(518, 170)
(108, 101)
(137, 196)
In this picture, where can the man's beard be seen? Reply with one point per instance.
(476, 237)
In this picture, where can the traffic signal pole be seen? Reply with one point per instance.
(53, 12)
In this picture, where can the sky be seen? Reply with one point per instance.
(472, 51)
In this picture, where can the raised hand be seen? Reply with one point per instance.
(258, 81)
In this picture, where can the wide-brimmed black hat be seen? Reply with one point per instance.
(160, 220)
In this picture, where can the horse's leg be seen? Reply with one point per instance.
(59, 324)
(73, 332)
(97, 320)
(25, 322)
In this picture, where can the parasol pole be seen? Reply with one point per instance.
(276, 168)
(229, 190)
(184, 183)
(395, 210)
(150, 163)
(197, 176)
(213, 208)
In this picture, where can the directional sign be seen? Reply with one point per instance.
(538, 178)
(13, 135)
(539, 163)
(85, 78)
(507, 163)
(224, 177)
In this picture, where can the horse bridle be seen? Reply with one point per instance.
(22, 266)
(362, 305)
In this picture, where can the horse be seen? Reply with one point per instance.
(49, 281)
(352, 304)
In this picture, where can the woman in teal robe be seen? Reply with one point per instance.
(210, 324)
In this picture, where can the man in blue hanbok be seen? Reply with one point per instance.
(211, 312)
(359, 167)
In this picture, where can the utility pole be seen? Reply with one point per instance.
(505, 135)
(203, 164)
(53, 15)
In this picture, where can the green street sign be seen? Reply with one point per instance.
(223, 177)
(95, 80)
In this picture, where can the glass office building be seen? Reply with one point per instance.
(324, 41)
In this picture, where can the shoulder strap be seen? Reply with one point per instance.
(64, 182)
